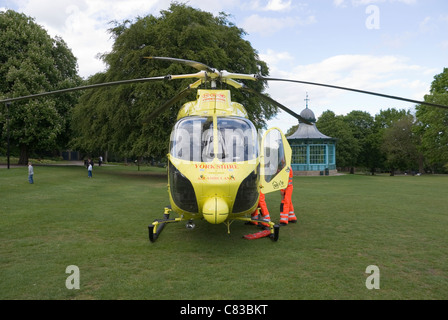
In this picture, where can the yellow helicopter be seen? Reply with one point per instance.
(218, 163)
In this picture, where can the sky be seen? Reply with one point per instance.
(394, 47)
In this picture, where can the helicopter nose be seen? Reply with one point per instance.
(215, 210)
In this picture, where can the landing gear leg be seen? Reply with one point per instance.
(157, 226)
(273, 231)
(274, 235)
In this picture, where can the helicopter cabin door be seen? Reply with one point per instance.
(275, 161)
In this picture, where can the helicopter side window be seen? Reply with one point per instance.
(275, 158)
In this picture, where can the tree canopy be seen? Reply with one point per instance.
(113, 118)
(32, 62)
(394, 139)
(433, 122)
(348, 148)
(399, 144)
(116, 118)
(385, 142)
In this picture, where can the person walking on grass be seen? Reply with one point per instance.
(89, 170)
(30, 173)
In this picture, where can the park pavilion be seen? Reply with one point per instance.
(313, 153)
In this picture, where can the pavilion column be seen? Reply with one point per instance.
(307, 157)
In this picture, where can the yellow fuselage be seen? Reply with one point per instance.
(214, 171)
(216, 163)
(216, 185)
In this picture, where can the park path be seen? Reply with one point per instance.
(64, 163)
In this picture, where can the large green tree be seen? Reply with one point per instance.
(114, 118)
(433, 123)
(32, 62)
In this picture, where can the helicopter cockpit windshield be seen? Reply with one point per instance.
(193, 139)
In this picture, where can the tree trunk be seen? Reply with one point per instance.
(24, 154)
(421, 168)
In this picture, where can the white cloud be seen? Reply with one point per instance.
(83, 24)
(268, 26)
(356, 3)
(272, 58)
(389, 74)
(278, 5)
(339, 3)
(214, 6)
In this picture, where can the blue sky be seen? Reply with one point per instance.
(389, 46)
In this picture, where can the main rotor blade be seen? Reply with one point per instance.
(185, 92)
(275, 103)
(357, 90)
(197, 65)
(91, 86)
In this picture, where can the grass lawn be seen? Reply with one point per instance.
(346, 223)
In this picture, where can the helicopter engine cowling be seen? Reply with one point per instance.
(215, 210)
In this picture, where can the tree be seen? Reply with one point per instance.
(117, 114)
(432, 122)
(32, 62)
(399, 145)
(347, 148)
(384, 120)
(361, 124)
(353, 132)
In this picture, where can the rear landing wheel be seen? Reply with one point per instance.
(274, 236)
